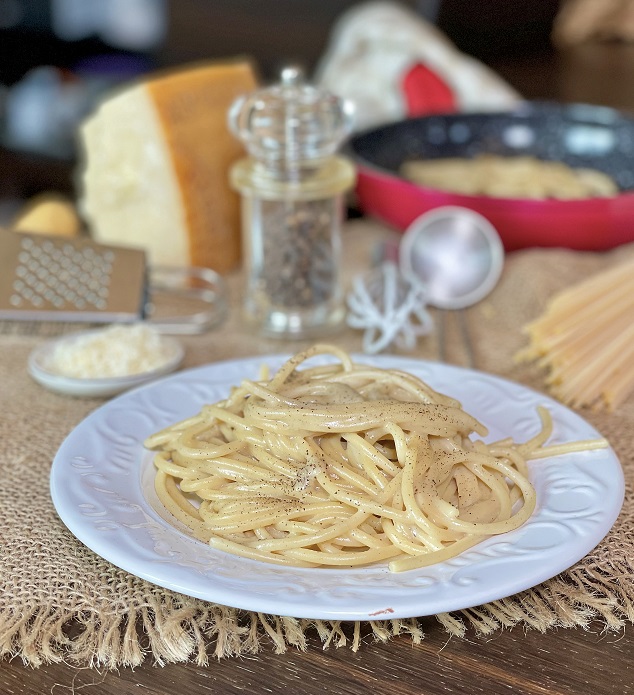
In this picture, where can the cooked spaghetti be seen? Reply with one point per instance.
(342, 465)
(509, 177)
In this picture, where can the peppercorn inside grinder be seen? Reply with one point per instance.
(292, 185)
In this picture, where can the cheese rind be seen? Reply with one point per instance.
(156, 163)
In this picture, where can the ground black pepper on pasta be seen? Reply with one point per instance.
(343, 465)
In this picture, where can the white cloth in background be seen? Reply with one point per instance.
(374, 45)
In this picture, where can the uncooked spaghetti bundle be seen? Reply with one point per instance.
(585, 340)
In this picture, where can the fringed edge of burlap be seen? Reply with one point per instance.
(170, 631)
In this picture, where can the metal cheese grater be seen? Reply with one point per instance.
(78, 280)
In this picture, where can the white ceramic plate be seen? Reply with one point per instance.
(40, 370)
(102, 487)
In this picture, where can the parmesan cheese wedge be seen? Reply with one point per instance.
(155, 162)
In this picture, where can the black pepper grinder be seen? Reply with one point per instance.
(292, 186)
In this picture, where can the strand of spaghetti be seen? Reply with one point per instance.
(437, 507)
(371, 445)
(561, 345)
(185, 512)
(363, 503)
(363, 538)
(164, 462)
(268, 395)
(267, 515)
(233, 469)
(365, 380)
(619, 385)
(291, 365)
(602, 364)
(605, 307)
(342, 465)
(467, 488)
(311, 376)
(398, 536)
(589, 346)
(232, 511)
(315, 522)
(343, 558)
(577, 346)
(415, 453)
(514, 457)
(305, 557)
(189, 475)
(497, 485)
(335, 463)
(204, 452)
(438, 420)
(604, 281)
(516, 520)
(274, 463)
(339, 529)
(553, 450)
(435, 556)
(574, 299)
(580, 383)
(580, 340)
(371, 455)
(539, 439)
(169, 433)
(236, 548)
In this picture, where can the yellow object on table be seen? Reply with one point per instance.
(48, 213)
(585, 338)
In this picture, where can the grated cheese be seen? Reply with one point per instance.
(112, 352)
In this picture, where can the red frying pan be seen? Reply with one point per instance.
(579, 135)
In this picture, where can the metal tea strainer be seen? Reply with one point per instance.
(458, 256)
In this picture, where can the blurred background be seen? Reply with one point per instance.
(59, 56)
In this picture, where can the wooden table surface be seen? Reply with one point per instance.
(561, 661)
(564, 662)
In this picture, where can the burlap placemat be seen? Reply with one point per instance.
(58, 600)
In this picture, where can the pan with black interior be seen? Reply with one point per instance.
(578, 135)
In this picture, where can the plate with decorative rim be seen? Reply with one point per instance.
(102, 488)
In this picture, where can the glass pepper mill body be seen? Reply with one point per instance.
(292, 186)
